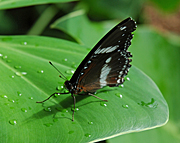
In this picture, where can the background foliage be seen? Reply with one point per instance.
(155, 52)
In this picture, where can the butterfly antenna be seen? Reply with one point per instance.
(62, 76)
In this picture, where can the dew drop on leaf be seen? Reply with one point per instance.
(4, 57)
(69, 71)
(65, 60)
(11, 100)
(121, 86)
(11, 76)
(118, 95)
(90, 123)
(31, 98)
(70, 132)
(48, 124)
(103, 104)
(76, 109)
(64, 110)
(6, 104)
(17, 67)
(55, 119)
(8, 61)
(24, 109)
(24, 73)
(88, 135)
(152, 104)
(125, 106)
(48, 109)
(4, 96)
(40, 71)
(19, 93)
(13, 122)
(24, 43)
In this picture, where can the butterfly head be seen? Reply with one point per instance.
(68, 85)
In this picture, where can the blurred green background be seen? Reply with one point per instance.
(156, 44)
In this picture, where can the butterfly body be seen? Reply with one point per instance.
(106, 64)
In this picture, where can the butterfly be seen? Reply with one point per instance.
(105, 65)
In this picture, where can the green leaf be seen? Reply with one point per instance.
(157, 54)
(140, 106)
(8, 4)
(77, 25)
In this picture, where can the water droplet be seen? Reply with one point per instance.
(6, 104)
(19, 93)
(55, 119)
(31, 98)
(90, 123)
(11, 76)
(4, 96)
(74, 66)
(121, 86)
(103, 104)
(8, 61)
(118, 95)
(48, 124)
(127, 78)
(24, 43)
(152, 104)
(76, 109)
(125, 106)
(88, 135)
(17, 67)
(4, 57)
(65, 60)
(24, 73)
(11, 100)
(64, 110)
(13, 122)
(20, 73)
(40, 71)
(70, 132)
(70, 71)
(1, 55)
(48, 109)
(24, 109)
(59, 88)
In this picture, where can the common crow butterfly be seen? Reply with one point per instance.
(105, 65)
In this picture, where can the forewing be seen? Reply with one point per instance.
(108, 62)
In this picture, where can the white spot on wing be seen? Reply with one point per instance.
(103, 76)
(112, 49)
(108, 60)
(106, 50)
(122, 28)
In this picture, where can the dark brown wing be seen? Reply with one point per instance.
(108, 62)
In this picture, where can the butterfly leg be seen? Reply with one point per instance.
(97, 97)
(50, 97)
(74, 106)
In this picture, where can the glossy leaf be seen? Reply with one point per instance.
(140, 106)
(8, 4)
